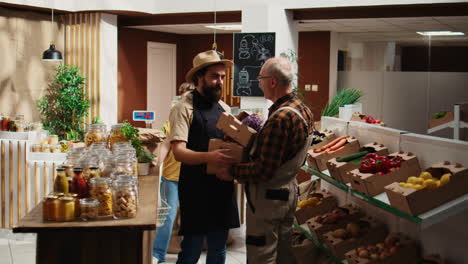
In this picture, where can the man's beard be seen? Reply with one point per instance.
(212, 93)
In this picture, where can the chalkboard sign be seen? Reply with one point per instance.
(251, 50)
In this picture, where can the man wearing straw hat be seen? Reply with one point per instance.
(207, 204)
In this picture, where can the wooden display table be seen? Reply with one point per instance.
(102, 241)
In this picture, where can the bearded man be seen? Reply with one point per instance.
(207, 205)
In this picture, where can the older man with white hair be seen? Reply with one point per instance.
(278, 152)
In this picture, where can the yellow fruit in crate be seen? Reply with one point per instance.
(403, 184)
(445, 179)
(412, 180)
(425, 175)
(418, 186)
(407, 185)
(431, 184)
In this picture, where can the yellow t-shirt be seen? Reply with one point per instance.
(171, 167)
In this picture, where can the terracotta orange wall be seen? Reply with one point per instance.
(132, 60)
(191, 45)
(132, 68)
(313, 68)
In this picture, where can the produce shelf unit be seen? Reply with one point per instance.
(456, 123)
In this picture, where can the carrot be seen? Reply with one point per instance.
(336, 150)
(332, 143)
(339, 144)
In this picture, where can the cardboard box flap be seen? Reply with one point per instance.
(233, 128)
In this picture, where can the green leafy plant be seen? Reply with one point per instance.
(292, 57)
(97, 120)
(343, 97)
(132, 134)
(65, 104)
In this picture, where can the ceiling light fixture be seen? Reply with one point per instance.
(52, 54)
(440, 33)
(225, 27)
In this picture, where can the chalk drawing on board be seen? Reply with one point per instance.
(244, 83)
(256, 47)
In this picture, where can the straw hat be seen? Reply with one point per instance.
(203, 60)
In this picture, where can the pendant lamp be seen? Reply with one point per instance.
(52, 54)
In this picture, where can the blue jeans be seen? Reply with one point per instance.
(192, 246)
(170, 193)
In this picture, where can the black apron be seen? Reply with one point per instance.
(206, 203)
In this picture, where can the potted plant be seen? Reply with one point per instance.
(65, 104)
(144, 157)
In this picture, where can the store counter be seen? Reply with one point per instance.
(101, 241)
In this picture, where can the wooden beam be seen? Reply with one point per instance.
(385, 11)
(180, 18)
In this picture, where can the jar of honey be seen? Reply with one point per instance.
(66, 210)
(50, 208)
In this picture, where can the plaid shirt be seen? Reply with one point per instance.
(282, 136)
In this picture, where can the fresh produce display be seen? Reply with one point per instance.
(254, 121)
(332, 217)
(376, 164)
(351, 230)
(426, 181)
(343, 97)
(310, 202)
(334, 146)
(380, 250)
(439, 115)
(369, 119)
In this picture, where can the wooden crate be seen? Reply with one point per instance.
(415, 202)
(327, 204)
(374, 234)
(408, 252)
(318, 161)
(318, 229)
(339, 170)
(373, 184)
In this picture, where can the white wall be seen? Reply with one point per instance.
(181, 6)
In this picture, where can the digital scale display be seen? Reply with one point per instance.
(143, 116)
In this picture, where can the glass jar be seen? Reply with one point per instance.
(63, 145)
(68, 170)
(123, 165)
(36, 126)
(79, 185)
(45, 148)
(95, 133)
(77, 203)
(5, 123)
(131, 178)
(21, 127)
(116, 135)
(50, 208)
(101, 191)
(12, 125)
(66, 210)
(89, 209)
(125, 199)
(94, 172)
(56, 148)
(108, 166)
(61, 181)
(36, 148)
(53, 140)
(58, 194)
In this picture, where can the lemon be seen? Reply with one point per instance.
(403, 184)
(425, 175)
(445, 179)
(431, 184)
(408, 185)
(418, 186)
(412, 179)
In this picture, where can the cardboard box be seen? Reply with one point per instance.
(327, 204)
(329, 136)
(439, 121)
(375, 233)
(373, 184)
(339, 170)
(318, 161)
(407, 252)
(415, 202)
(307, 188)
(236, 151)
(318, 229)
(233, 128)
(303, 176)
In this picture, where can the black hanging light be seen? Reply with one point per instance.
(52, 54)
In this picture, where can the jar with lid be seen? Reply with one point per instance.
(68, 170)
(36, 126)
(108, 166)
(101, 191)
(53, 140)
(36, 148)
(45, 148)
(79, 185)
(56, 148)
(131, 178)
(61, 181)
(89, 209)
(124, 165)
(50, 208)
(58, 194)
(116, 135)
(72, 159)
(12, 125)
(66, 210)
(125, 199)
(77, 203)
(95, 133)
(130, 153)
(5, 123)
(120, 145)
(94, 172)
(21, 127)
